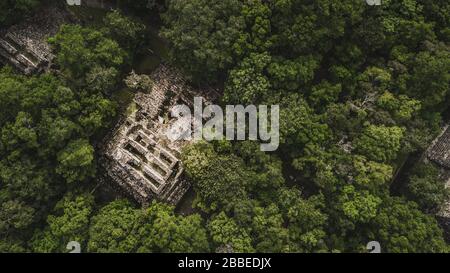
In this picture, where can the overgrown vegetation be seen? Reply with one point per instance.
(359, 88)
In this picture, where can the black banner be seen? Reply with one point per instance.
(218, 262)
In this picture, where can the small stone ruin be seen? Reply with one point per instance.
(24, 46)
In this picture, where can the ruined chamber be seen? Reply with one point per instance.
(138, 156)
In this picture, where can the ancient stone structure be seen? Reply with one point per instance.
(138, 156)
(439, 153)
(25, 47)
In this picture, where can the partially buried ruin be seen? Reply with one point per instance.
(439, 154)
(137, 155)
(24, 46)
